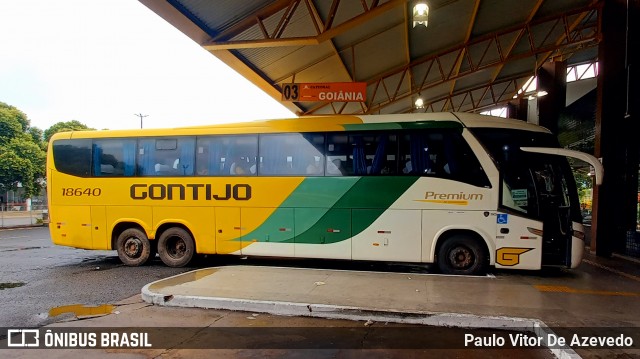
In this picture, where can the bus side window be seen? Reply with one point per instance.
(291, 154)
(73, 157)
(240, 156)
(114, 157)
(339, 155)
(211, 155)
(166, 156)
(416, 151)
(460, 163)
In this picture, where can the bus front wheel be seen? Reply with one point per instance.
(176, 247)
(463, 255)
(133, 246)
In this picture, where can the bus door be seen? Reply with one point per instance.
(555, 212)
(536, 198)
(557, 198)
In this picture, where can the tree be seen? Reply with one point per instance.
(22, 149)
(14, 170)
(22, 158)
(10, 127)
(20, 116)
(64, 126)
(37, 135)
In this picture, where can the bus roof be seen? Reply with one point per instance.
(323, 123)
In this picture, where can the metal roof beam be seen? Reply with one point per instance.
(223, 42)
(588, 36)
(456, 69)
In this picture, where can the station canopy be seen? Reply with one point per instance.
(456, 55)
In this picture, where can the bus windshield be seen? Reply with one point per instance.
(532, 183)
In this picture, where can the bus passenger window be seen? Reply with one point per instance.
(315, 166)
(291, 154)
(73, 157)
(339, 155)
(166, 156)
(114, 157)
(334, 167)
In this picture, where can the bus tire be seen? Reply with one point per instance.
(462, 255)
(133, 247)
(176, 247)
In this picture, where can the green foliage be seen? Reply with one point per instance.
(37, 135)
(10, 127)
(31, 152)
(64, 126)
(22, 149)
(14, 170)
(13, 112)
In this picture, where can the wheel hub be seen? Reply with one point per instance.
(177, 247)
(133, 247)
(461, 257)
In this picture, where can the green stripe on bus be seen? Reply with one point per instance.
(317, 195)
(374, 193)
(323, 208)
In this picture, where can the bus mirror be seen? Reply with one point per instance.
(594, 162)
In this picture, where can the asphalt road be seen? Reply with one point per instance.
(37, 276)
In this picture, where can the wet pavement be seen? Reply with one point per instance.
(265, 310)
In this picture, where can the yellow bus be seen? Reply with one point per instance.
(461, 190)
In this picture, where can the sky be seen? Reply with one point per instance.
(103, 62)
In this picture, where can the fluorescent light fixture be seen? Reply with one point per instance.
(420, 14)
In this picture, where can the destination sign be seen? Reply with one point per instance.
(327, 91)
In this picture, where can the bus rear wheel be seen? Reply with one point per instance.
(133, 246)
(462, 255)
(176, 247)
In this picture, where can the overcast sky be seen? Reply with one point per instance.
(103, 61)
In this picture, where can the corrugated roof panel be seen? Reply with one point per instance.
(380, 23)
(494, 15)
(328, 70)
(380, 53)
(281, 62)
(219, 15)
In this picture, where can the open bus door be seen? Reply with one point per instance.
(554, 191)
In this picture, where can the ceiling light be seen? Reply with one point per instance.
(419, 102)
(420, 14)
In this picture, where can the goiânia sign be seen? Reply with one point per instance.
(327, 91)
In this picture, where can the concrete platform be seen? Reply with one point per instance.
(602, 293)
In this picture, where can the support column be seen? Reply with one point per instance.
(614, 202)
(518, 109)
(552, 78)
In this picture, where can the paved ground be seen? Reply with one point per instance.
(262, 309)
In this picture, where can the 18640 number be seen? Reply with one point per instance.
(78, 192)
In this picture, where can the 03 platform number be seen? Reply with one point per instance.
(290, 92)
